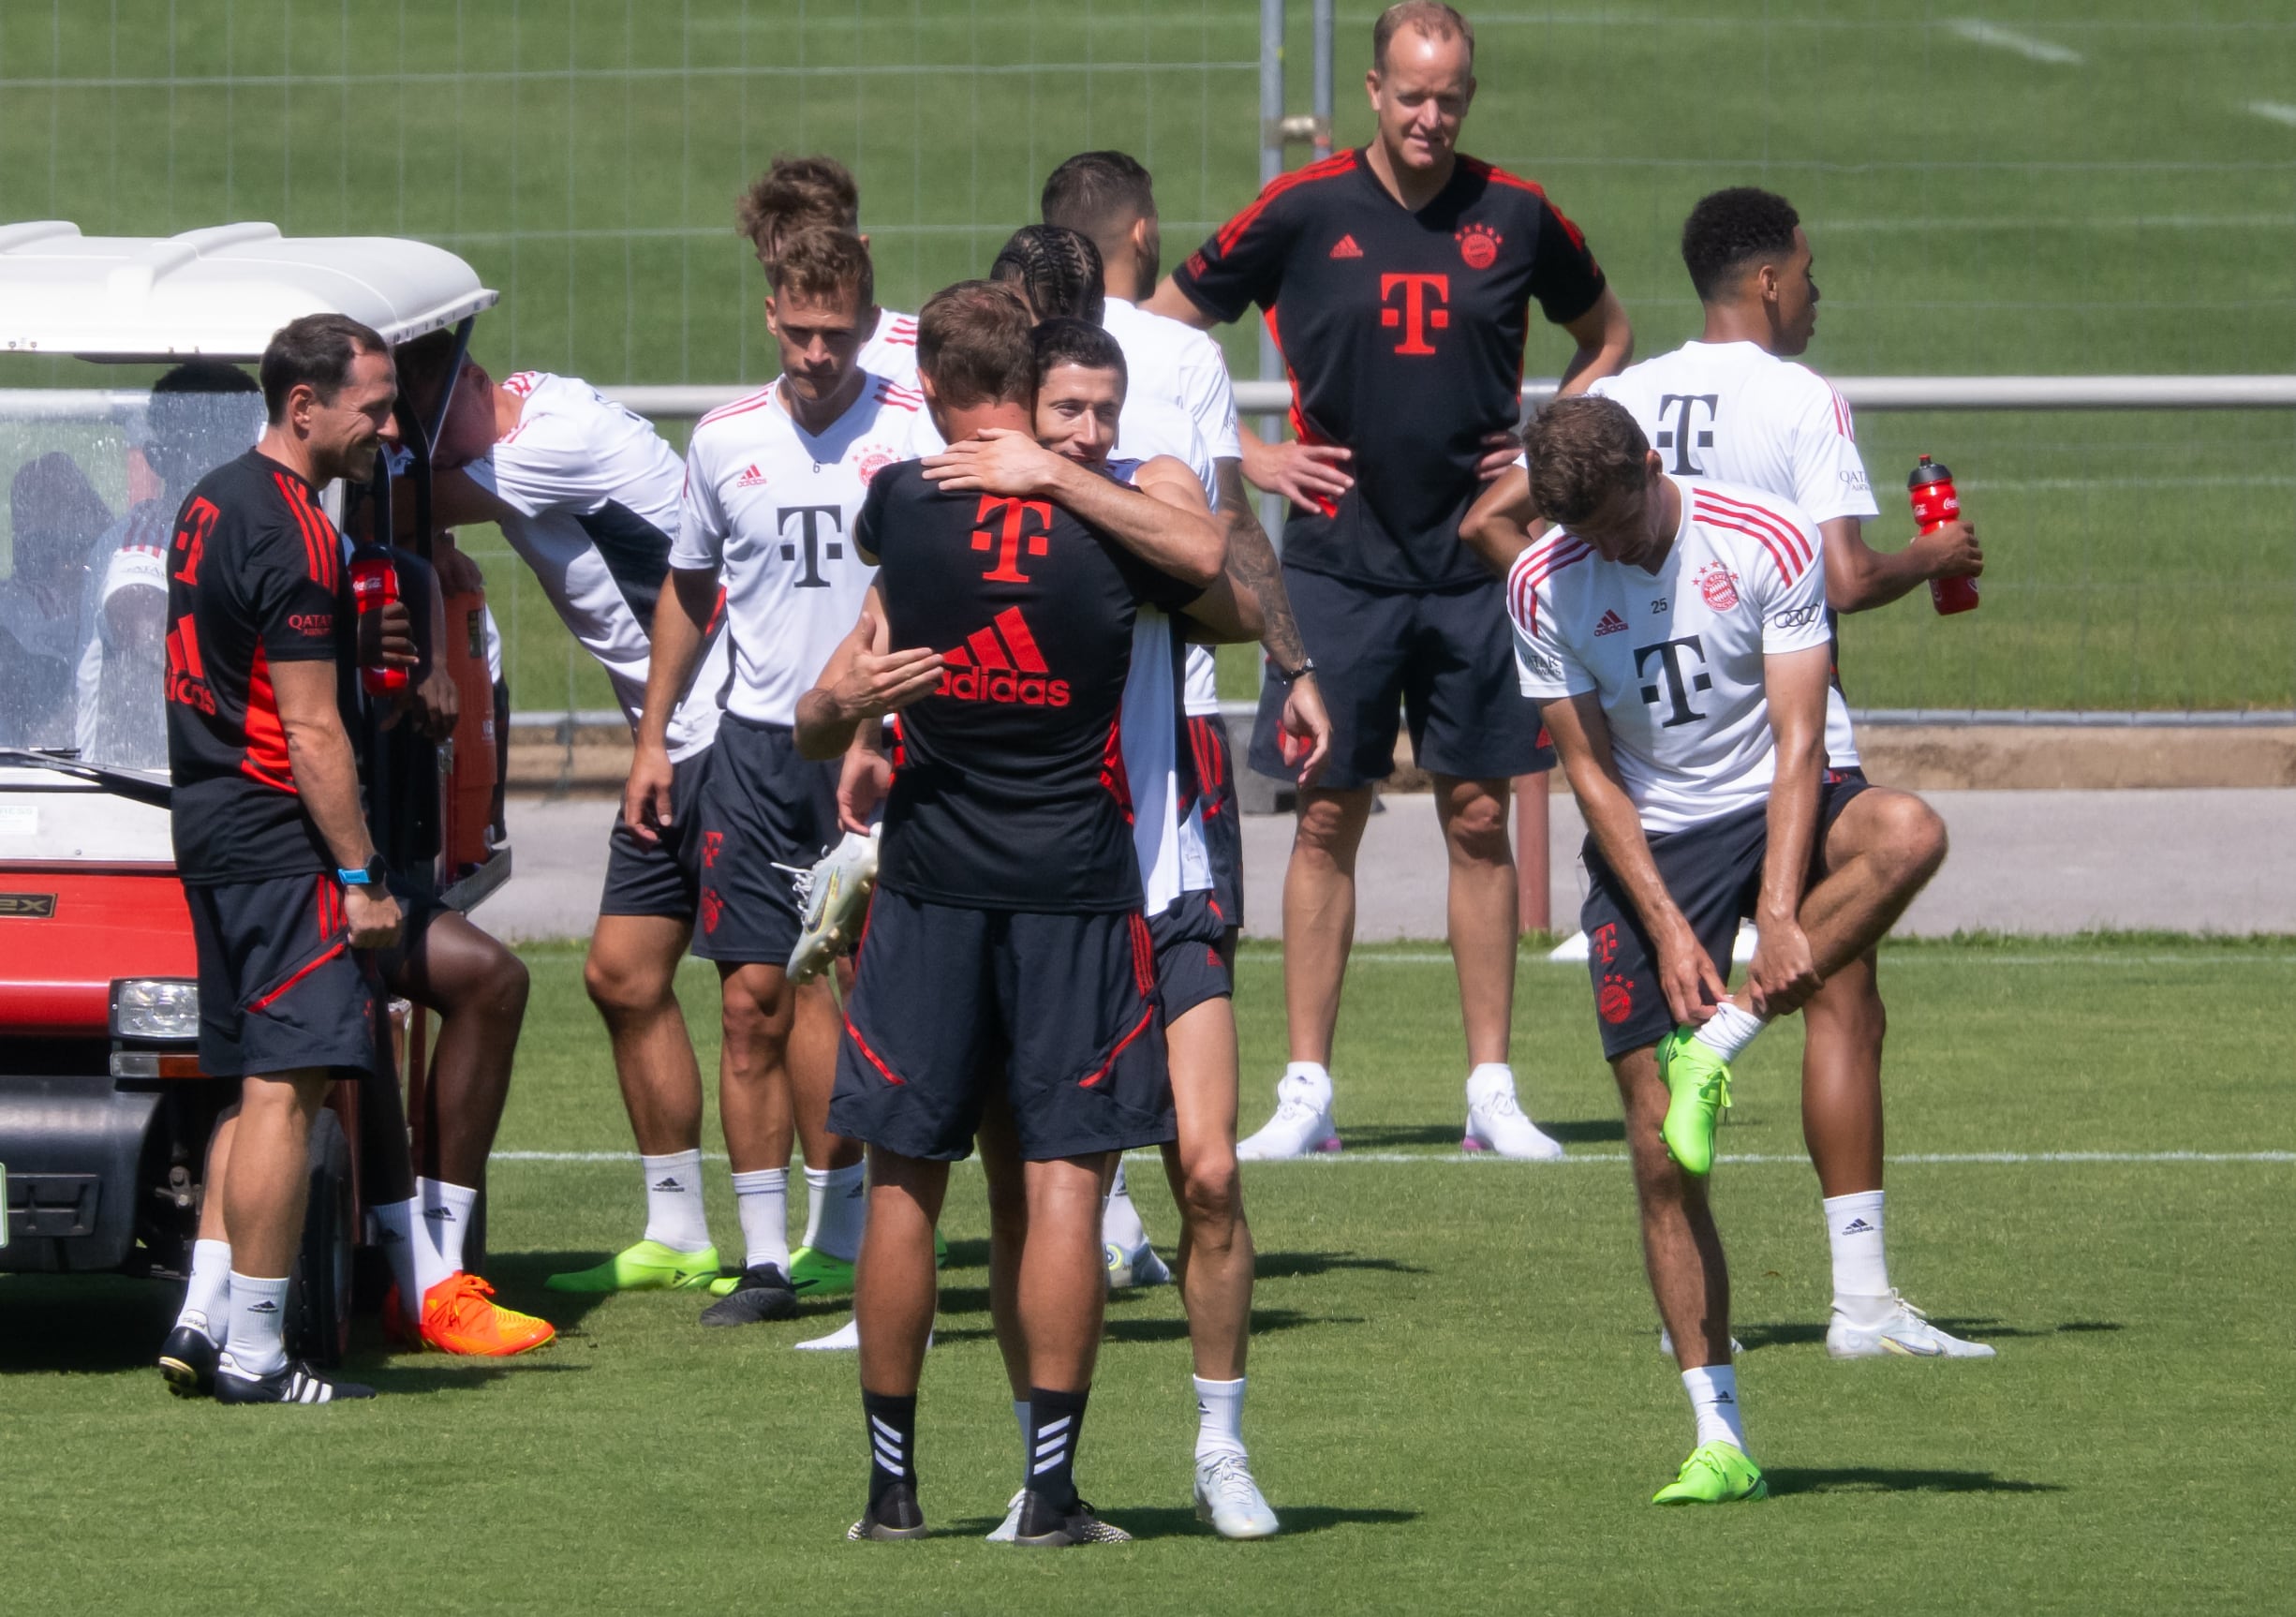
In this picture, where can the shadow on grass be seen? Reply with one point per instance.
(1265, 1322)
(1298, 1265)
(466, 1375)
(1976, 1327)
(84, 1324)
(1885, 1480)
(1145, 1522)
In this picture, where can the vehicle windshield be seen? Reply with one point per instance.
(94, 485)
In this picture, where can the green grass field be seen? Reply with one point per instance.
(2096, 186)
(1457, 1401)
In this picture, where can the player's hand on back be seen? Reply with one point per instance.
(1783, 973)
(1001, 461)
(1687, 973)
(645, 797)
(1307, 474)
(881, 682)
(373, 916)
(1950, 550)
(1305, 740)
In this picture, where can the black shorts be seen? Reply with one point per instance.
(1223, 815)
(1189, 971)
(1713, 872)
(765, 807)
(1445, 659)
(419, 905)
(279, 988)
(661, 878)
(949, 1004)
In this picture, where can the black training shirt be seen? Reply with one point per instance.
(1404, 334)
(255, 577)
(1008, 789)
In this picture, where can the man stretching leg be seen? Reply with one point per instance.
(1673, 633)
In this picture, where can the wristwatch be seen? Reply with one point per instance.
(1292, 675)
(370, 875)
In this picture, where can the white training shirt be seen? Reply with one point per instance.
(594, 491)
(1737, 412)
(891, 351)
(1677, 655)
(772, 508)
(1173, 369)
(1167, 816)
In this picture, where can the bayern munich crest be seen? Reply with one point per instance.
(1479, 245)
(871, 464)
(1719, 584)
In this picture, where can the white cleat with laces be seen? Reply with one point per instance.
(1904, 1332)
(1228, 1498)
(1495, 1122)
(834, 894)
(1301, 1126)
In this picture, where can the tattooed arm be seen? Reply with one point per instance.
(1306, 740)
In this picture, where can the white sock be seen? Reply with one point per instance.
(1713, 1399)
(446, 1219)
(673, 1216)
(257, 1345)
(1120, 1220)
(395, 1221)
(1219, 1417)
(1729, 1031)
(209, 1294)
(1860, 1267)
(762, 1196)
(1316, 1073)
(1491, 1069)
(837, 1205)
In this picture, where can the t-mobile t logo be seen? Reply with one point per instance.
(1675, 660)
(1416, 317)
(817, 548)
(1685, 434)
(1008, 532)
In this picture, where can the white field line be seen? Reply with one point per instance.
(2093, 222)
(2025, 45)
(1462, 1159)
(2276, 112)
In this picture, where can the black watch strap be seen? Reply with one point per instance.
(1292, 675)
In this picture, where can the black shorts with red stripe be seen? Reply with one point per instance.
(951, 1006)
(1223, 815)
(1190, 968)
(279, 987)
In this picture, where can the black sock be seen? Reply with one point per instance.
(892, 1440)
(1055, 1419)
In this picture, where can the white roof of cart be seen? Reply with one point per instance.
(220, 291)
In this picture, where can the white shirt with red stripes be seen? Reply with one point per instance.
(1677, 655)
(891, 351)
(771, 506)
(1736, 413)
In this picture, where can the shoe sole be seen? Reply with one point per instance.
(1753, 1495)
(1476, 1147)
(882, 1535)
(183, 1379)
(489, 1352)
(1205, 1515)
(679, 1281)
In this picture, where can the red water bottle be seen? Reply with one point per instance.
(1935, 504)
(373, 585)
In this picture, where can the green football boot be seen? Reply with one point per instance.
(1698, 1084)
(1715, 1474)
(649, 1265)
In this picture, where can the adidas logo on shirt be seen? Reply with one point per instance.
(1611, 624)
(1345, 248)
(750, 477)
(1001, 663)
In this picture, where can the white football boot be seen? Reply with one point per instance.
(1228, 1498)
(1009, 1529)
(1906, 1333)
(1302, 1123)
(1495, 1122)
(836, 896)
(1138, 1267)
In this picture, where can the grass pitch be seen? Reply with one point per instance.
(1457, 1401)
(2068, 186)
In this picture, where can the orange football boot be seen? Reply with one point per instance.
(458, 1318)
